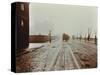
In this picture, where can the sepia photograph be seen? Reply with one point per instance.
(55, 37)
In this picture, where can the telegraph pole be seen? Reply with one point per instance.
(50, 36)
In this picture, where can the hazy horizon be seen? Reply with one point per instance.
(70, 19)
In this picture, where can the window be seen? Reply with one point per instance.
(22, 7)
(22, 23)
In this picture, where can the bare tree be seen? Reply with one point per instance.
(89, 35)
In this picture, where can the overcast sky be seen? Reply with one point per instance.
(70, 19)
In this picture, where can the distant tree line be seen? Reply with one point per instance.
(88, 37)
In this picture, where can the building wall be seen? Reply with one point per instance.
(22, 25)
(38, 38)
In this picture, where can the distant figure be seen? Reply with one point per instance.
(88, 38)
(65, 37)
(80, 37)
(95, 39)
(73, 37)
(85, 39)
